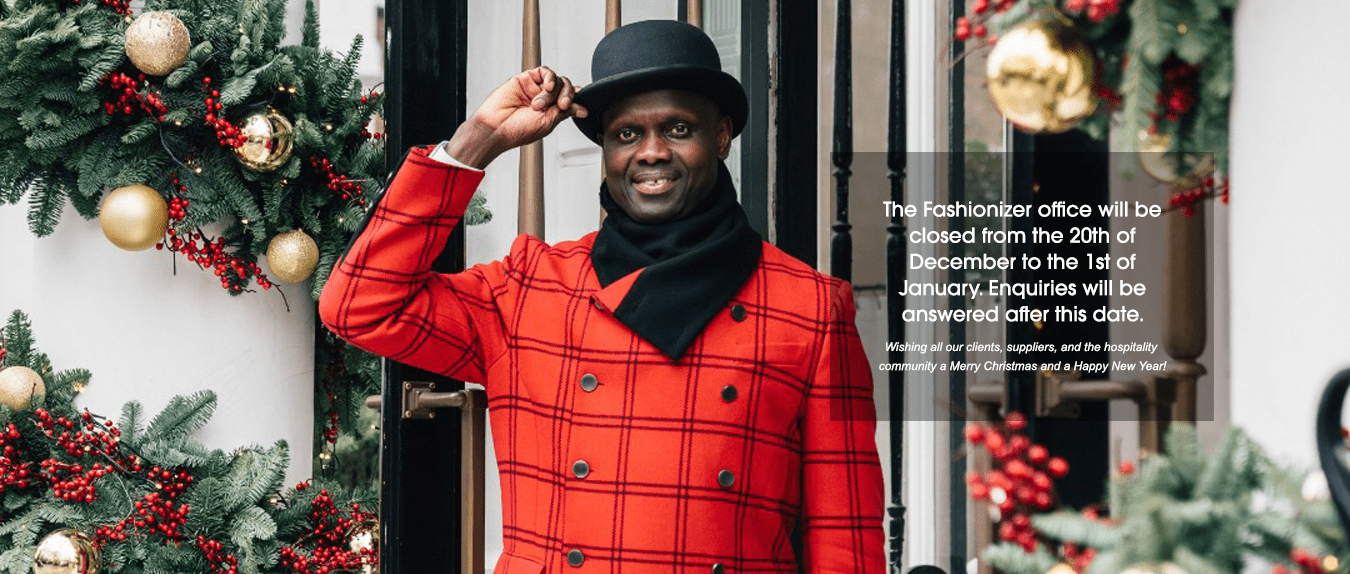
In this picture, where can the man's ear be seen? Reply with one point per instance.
(724, 137)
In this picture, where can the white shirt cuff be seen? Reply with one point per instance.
(439, 154)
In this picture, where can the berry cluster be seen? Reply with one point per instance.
(1078, 557)
(221, 561)
(340, 185)
(228, 134)
(14, 471)
(1178, 95)
(131, 100)
(101, 437)
(232, 270)
(966, 27)
(1110, 96)
(329, 530)
(1097, 10)
(1303, 562)
(122, 7)
(157, 511)
(1187, 198)
(1022, 484)
(72, 482)
(371, 135)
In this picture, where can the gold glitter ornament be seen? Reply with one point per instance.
(364, 539)
(267, 141)
(292, 256)
(158, 43)
(66, 551)
(20, 387)
(1154, 568)
(1181, 171)
(1041, 75)
(134, 217)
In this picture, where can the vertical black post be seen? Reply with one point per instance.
(419, 459)
(956, 381)
(1021, 186)
(896, 248)
(755, 137)
(841, 244)
(796, 120)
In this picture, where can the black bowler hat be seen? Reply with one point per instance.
(656, 55)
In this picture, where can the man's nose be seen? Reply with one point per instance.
(653, 149)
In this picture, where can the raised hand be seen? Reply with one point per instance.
(523, 110)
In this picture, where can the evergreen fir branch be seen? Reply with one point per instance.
(1193, 563)
(17, 560)
(28, 523)
(1148, 35)
(307, 135)
(253, 474)
(292, 168)
(477, 211)
(139, 169)
(67, 380)
(44, 208)
(137, 133)
(238, 88)
(310, 30)
(251, 523)
(182, 417)
(107, 60)
(1182, 445)
(18, 339)
(64, 133)
(12, 190)
(1073, 527)
(131, 422)
(1012, 559)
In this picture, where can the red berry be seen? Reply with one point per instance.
(1058, 467)
(1016, 421)
(974, 432)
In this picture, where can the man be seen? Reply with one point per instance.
(667, 394)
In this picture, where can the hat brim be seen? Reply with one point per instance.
(720, 87)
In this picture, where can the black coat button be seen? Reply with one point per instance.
(726, 479)
(575, 557)
(581, 468)
(718, 569)
(729, 393)
(738, 312)
(589, 382)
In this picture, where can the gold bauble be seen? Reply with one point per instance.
(1061, 568)
(1041, 76)
(363, 537)
(157, 43)
(292, 256)
(66, 551)
(19, 387)
(1154, 568)
(1182, 171)
(267, 141)
(134, 217)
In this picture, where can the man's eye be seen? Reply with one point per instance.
(680, 130)
(627, 134)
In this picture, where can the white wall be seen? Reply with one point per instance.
(148, 335)
(1290, 243)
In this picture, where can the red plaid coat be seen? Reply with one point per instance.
(613, 458)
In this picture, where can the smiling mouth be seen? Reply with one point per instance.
(654, 183)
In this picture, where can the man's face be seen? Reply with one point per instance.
(661, 152)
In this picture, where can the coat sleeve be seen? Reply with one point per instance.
(383, 296)
(843, 493)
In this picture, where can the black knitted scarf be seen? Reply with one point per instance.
(693, 266)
